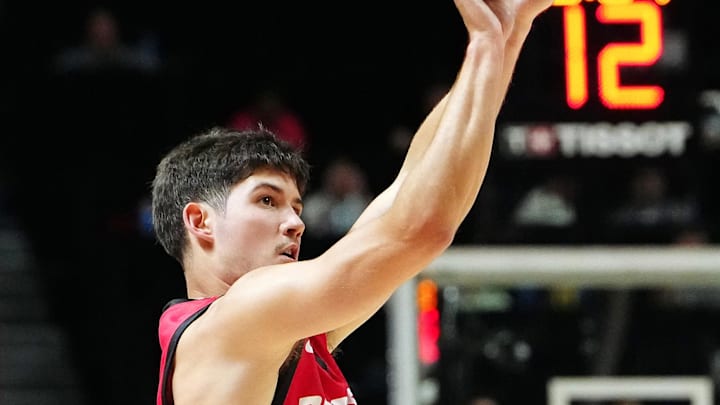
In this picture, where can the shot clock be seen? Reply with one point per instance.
(604, 79)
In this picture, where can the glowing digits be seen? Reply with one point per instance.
(612, 92)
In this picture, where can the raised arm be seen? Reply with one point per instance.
(516, 20)
(468, 110)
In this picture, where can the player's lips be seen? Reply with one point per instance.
(292, 250)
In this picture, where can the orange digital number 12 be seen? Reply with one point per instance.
(613, 94)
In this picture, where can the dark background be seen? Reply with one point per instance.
(77, 152)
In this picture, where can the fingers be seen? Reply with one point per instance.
(499, 15)
(478, 16)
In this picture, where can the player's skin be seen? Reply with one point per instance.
(248, 255)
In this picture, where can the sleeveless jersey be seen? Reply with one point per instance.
(313, 378)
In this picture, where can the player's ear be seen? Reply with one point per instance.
(197, 219)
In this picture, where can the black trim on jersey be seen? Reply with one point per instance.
(321, 362)
(284, 380)
(173, 302)
(170, 357)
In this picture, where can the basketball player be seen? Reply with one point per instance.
(258, 326)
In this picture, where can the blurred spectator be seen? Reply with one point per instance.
(547, 213)
(649, 202)
(330, 210)
(271, 110)
(104, 49)
(650, 213)
(550, 203)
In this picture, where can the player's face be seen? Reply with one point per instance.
(262, 224)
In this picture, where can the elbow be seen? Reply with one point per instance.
(429, 225)
(443, 237)
(432, 234)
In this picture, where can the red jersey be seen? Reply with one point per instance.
(314, 378)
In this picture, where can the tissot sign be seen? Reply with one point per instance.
(597, 140)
